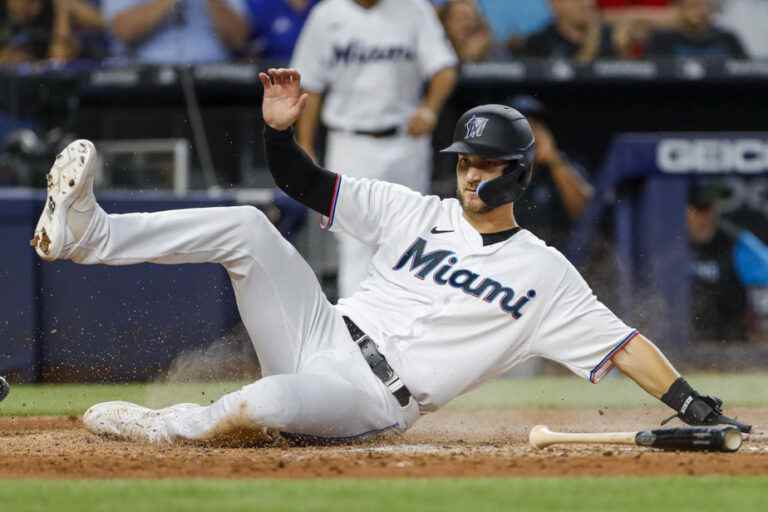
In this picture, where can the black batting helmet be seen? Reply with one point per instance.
(499, 132)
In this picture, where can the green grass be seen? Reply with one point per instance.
(572, 392)
(677, 494)
(562, 392)
(74, 399)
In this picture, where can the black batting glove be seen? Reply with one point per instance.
(696, 409)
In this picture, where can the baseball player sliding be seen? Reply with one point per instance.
(457, 292)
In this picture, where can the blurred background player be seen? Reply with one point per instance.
(364, 64)
(558, 192)
(176, 31)
(729, 272)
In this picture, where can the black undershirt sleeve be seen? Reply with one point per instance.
(295, 172)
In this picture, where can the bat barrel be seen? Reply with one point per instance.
(541, 437)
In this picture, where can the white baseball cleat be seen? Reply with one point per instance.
(70, 202)
(126, 420)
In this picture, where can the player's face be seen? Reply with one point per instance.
(702, 223)
(470, 171)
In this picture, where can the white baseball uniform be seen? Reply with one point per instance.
(372, 64)
(446, 311)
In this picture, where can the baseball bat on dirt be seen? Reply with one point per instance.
(722, 439)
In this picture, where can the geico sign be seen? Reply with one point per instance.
(712, 155)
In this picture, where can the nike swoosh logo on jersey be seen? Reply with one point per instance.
(436, 231)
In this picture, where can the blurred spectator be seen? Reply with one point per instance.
(276, 25)
(652, 10)
(176, 31)
(656, 13)
(577, 32)
(727, 263)
(466, 29)
(558, 192)
(632, 4)
(78, 29)
(749, 20)
(512, 22)
(635, 20)
(35, 30)
(27, 30)
(696, 35)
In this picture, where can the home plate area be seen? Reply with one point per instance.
(448, 443)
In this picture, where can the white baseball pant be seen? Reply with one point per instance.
(316, 382)
(398, 159)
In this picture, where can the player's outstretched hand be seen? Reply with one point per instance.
(283, 100)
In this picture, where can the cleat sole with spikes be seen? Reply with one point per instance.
(67, 180)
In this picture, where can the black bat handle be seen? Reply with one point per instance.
(720, 439)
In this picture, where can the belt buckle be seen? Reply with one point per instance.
(395, 386)
(393, 383)
(379, 365)
(391, 379)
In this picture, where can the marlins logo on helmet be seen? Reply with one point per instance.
(475, 127)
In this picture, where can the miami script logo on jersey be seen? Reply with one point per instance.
(475, 127)
(356, 52)
(425, 264)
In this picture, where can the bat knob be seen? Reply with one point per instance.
(539, 436)
(5, 388)
(732, 439)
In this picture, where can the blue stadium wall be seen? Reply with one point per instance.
(66, 322)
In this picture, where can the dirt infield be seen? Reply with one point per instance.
(447, 443)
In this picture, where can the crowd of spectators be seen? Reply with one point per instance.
(56, 30)
(197, 31)
(584, 30)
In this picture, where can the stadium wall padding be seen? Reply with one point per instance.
(65, 322)
(645, 179)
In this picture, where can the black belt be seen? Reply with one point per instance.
(378, 363)
(377, 134)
